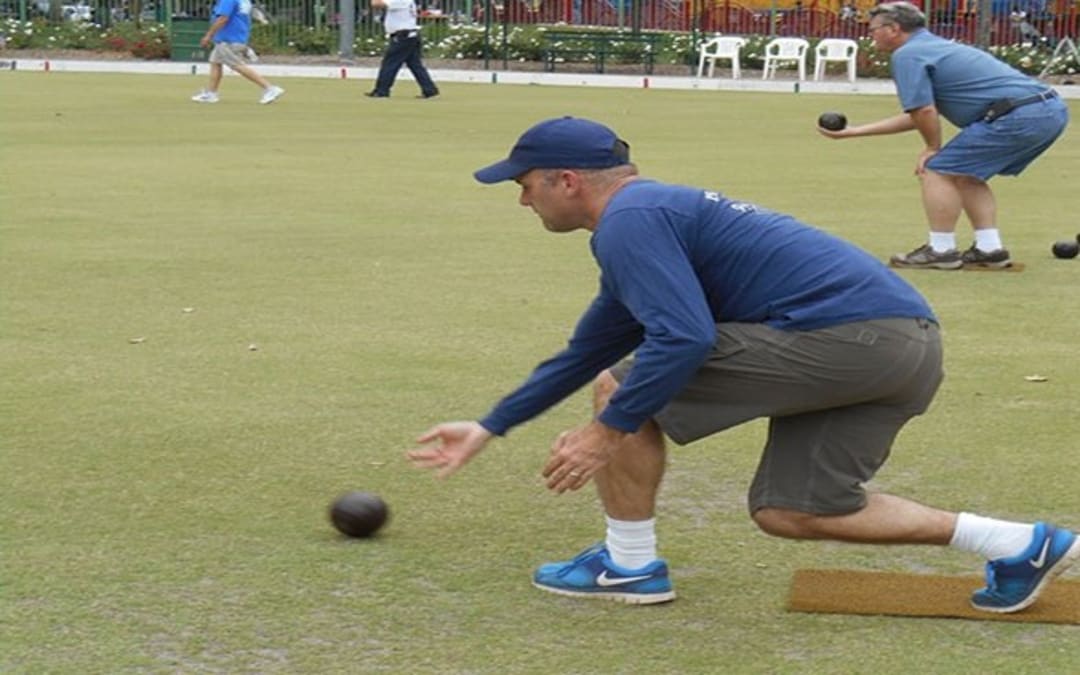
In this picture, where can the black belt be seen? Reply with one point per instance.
(1007, 105)
(405, 34)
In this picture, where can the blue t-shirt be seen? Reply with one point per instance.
(675, 261)
(238, 27)
(961, 81)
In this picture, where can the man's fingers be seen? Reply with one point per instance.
(426, 460)
(567, 480)
(447, 470)
(429, 435)
(552, 466)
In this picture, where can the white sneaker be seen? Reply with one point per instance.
(205, 97)
(270, 95)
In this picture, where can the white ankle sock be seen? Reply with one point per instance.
(942, 241)
(991, 538)
(631, 543)
(988, 240)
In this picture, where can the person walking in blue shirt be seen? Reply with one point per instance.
(732, 312)
(229, 31)
(1006, 120)
(403, 47)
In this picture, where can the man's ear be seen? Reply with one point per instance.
(570, 180)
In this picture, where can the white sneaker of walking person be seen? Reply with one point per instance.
(205, 97)
(271, 94)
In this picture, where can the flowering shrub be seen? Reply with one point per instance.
(151, 41)
(461, 42)
(523, 43)
(1034, 58)
(313, 41)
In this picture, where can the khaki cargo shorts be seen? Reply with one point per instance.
(232, 54)
(836, 398)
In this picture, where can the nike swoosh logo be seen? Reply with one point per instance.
(604, 580)
(1037, 563)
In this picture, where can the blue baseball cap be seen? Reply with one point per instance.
(560, 143)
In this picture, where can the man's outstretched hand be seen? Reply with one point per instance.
(455, 443)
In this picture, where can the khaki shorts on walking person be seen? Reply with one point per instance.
(836, 398)
(232, 54)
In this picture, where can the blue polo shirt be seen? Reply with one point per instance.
(961, 81)
(238, 27)
(674, 262)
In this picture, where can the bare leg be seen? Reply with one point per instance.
(942, 201)
(886, 519)
(216, 71)
(252, 75)
(628, 484)
(979, 203)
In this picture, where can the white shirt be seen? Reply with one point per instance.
(400, 15)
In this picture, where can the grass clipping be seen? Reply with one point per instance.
(920, 595)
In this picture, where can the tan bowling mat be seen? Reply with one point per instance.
(924, 595)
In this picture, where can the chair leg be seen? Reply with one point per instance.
(851, 70)
(735, 74)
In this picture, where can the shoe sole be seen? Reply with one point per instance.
(926, 266)
(995, 267)
(627, 598)
(1055, 571)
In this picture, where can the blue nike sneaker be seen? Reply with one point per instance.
(592, 574)
(1012, 584)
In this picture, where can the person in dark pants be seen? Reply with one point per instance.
(402, 48)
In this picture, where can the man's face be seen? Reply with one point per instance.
(884, 33)
(554, 195)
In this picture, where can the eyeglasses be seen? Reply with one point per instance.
(874, 29)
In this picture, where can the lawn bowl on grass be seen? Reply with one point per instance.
(358, 514)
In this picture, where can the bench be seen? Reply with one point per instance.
(600, 47)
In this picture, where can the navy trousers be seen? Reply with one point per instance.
(403, 50)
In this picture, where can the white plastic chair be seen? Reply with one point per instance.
(781, 50)
(835, 50)
(720, 48)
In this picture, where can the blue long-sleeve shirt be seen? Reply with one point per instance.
(675, 261)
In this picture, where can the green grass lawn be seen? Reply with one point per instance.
(215, 319)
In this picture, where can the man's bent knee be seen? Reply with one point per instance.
(784, 523)
(604, 386)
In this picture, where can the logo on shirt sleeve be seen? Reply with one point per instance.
(741, 207)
